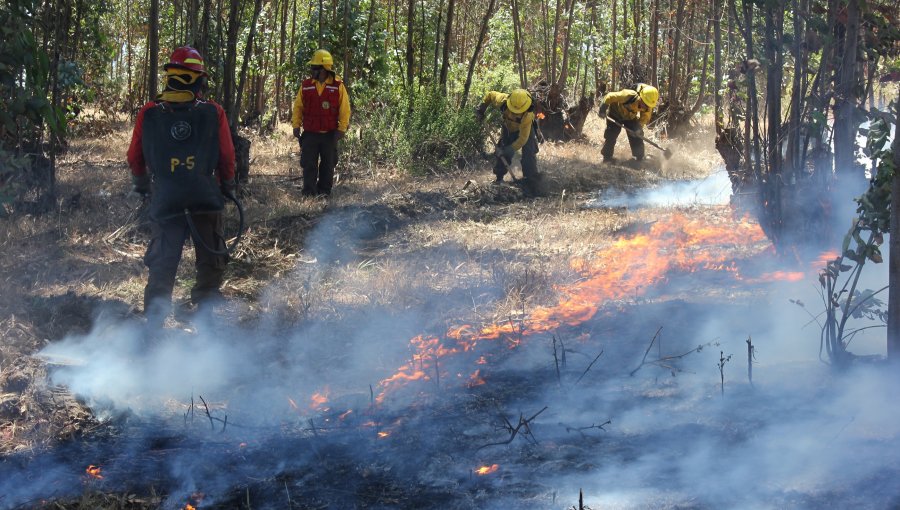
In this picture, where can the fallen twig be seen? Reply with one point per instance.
(513, 431)
(589, 367)
(208, 415)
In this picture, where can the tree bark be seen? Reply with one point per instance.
(564, 71)
(845, 121)
(717, 64)
(478, 44)
(410, 48)
(153, 45)
(448, 34)
(893, 326)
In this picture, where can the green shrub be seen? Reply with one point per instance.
(425, 133)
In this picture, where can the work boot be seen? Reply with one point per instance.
(498, 180)
(609, 159)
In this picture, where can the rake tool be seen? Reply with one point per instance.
(667, 153)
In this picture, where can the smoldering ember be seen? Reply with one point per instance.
(489, 255)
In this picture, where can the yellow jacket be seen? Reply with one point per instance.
(513, 122)
(343, 109)
(623, 105)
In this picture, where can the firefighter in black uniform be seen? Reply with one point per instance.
(183, 141)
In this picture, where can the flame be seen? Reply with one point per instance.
(189, 507)
(294, 405)
(319, 400)
(486, 470)
(345, 414)
(626, 268)
(94, 472)
(540, 115)
(475, 379)
(383, 434)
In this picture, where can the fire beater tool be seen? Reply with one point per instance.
(667, 153)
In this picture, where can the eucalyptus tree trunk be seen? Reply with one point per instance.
(553, 47)
(564, 72)
(545, 23)
(369, 23)
(717, 63)
(153, 51)
(676, 47)
(654, 44)
(478, 44)
(774, 182)
(448, 34)
(435, 67)
(893, 323)
(612, 74)
(845, 121)
(518, 44)
(797, 93)
(228, 70)
(410, 48)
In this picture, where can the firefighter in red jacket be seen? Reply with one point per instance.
(182, 148)
(322, 110)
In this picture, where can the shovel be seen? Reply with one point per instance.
(666, 152)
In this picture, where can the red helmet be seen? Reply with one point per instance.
(186, 58)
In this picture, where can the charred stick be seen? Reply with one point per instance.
(312, 427)
(224, 424)
(437, 373)
(208, 415)
(556, 361)
(592, 426)
(371, 396)
(750, 357)
(644, 359)
(515, 430)
(589, 367)
(722, 360)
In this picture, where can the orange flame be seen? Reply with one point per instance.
(319, 400)
(486, 470)
(383, 434)
(475, 379)
(94, 472)
(624, 269)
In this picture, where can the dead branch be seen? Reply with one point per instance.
(513, 431)
(592, 426)
(208, 415)
(589, 367)
(644, 359)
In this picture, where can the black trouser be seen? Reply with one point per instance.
(612, 132)
(164, 254)
(529, 155)
(318, 156)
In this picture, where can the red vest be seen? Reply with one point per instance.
(320, 113)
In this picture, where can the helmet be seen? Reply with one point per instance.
(518, 101)
(649, 94)
(322, 58)
(186, 58)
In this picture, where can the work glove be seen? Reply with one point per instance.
(228, 187)
(140, 184)
(479, 112)
(338, 135)
(297, 133)
(506, 152)
(602, 110)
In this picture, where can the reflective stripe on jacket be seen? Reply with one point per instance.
(320, 111)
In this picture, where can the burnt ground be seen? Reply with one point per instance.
(331, 292)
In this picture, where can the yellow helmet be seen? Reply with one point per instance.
(649, 95)
(322, 58)
(518, 101)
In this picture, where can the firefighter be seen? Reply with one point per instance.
(181, 147)
(321, 115)
(633, 109)
(518, 131)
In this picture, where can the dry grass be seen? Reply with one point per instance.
(385, 240)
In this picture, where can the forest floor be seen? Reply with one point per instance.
(418, 342)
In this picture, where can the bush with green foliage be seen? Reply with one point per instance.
(423, 133)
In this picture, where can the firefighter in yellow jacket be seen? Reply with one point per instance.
(632, 108)
(320, 117)
(518, 132)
